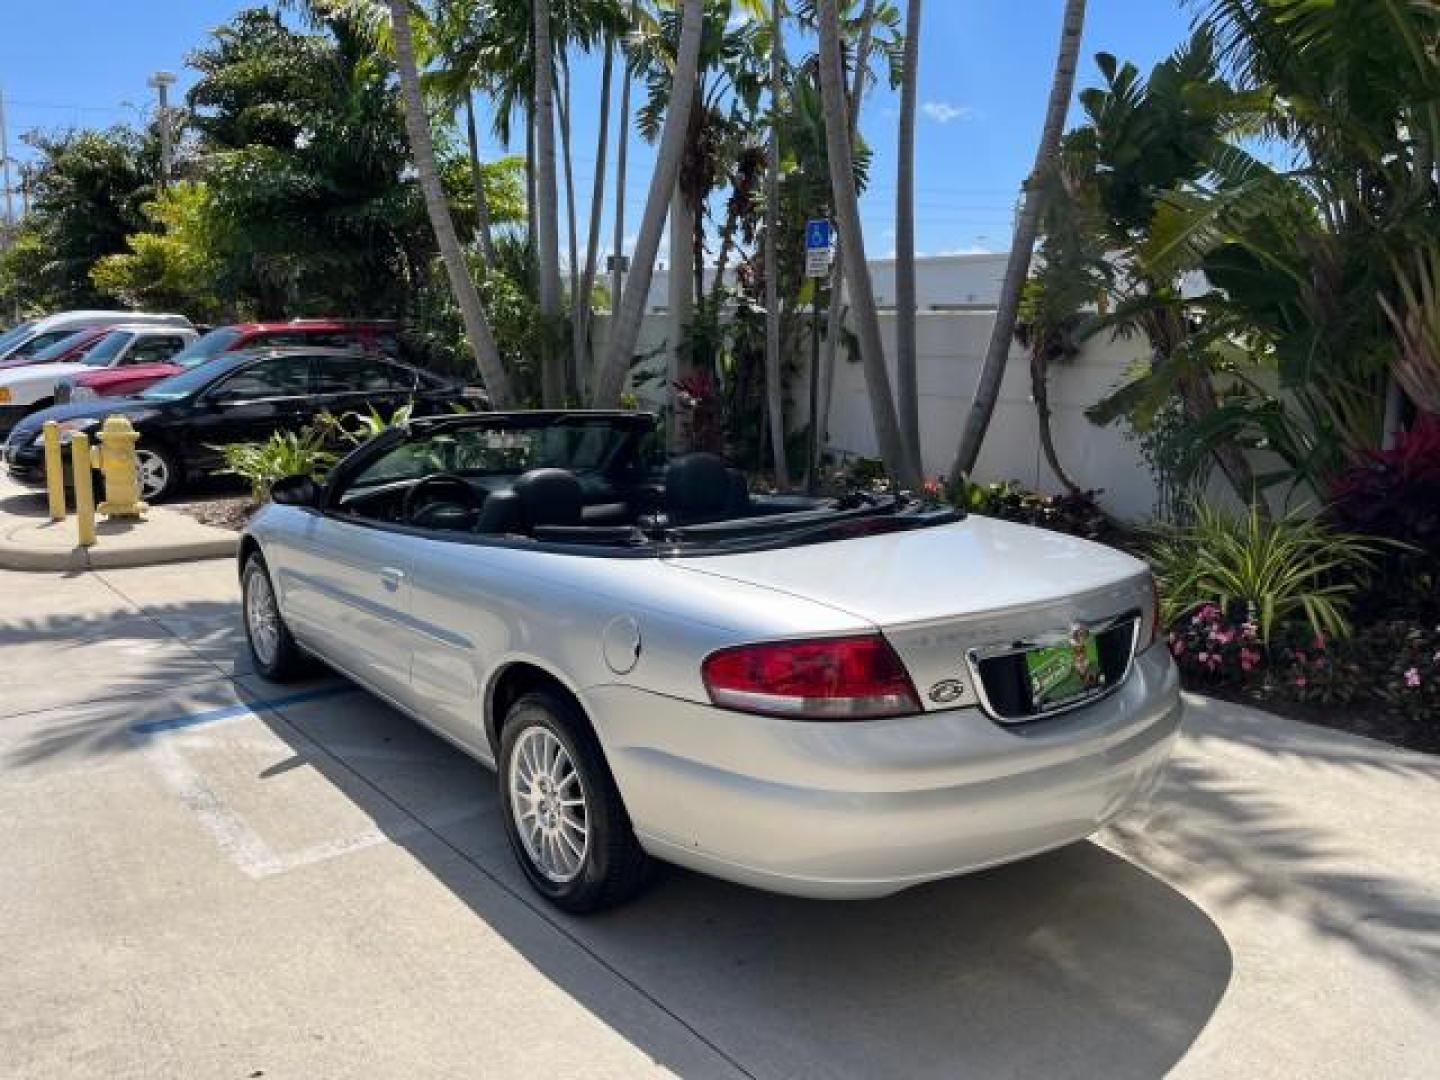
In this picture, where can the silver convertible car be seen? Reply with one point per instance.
(826, 697)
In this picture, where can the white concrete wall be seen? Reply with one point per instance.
(940, 281)
(951, 346)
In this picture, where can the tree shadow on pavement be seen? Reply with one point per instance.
(1218, 833)
(82, 677)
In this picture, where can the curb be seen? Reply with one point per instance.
(17, 557)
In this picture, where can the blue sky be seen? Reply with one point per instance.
(984, 73)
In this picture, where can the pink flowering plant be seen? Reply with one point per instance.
(1216, 648)
(1407, 668)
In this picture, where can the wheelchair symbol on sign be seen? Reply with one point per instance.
(817, 235)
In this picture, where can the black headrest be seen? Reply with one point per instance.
(502, 513)
(550, 497)
(697, 484)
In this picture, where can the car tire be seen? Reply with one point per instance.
(272, 648)
(557, 795)
(159, 472)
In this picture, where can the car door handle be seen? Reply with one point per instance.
(391, 578)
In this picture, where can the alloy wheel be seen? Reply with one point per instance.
(153, 473)
(547, 800)
(262, 617)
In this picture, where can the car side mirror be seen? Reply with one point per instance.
(295, 491)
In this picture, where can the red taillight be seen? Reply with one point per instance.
(855, 678)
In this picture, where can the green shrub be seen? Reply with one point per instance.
(1271, 573)
(285, 453)
(1076, 515)
(353, 428)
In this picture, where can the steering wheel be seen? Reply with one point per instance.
(456, 489)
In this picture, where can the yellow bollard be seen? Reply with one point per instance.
(54, 470)
(115, 458)
(84, 488)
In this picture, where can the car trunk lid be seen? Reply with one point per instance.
(952, 597)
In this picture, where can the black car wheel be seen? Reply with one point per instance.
(563, 814)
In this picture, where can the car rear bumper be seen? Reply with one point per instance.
(866, 809)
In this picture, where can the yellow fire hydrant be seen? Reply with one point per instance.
(115, 458)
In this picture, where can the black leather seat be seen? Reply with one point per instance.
(699, 488)
(447, 515)
(540, 497)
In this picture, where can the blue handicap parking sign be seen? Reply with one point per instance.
(817, 235)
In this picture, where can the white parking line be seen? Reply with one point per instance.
(243, 845)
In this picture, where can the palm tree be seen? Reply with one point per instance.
(622, 147)
(908, 400)
(626, 330)
(987, 392)
(893, 450)
(835, 316)
(546, 210)
(483, 223)
(597, 202)
(774, 386)
(422, 146)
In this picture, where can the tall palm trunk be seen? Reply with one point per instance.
(572, 363)
(483, 223)
(835, 315)
(1027, 224)
(774, 386)
(622, 147)
(626, 332)
(1040, 391)
(597, 202)
(906, 388)
(840, 151)
(422, 148)
(547, 211)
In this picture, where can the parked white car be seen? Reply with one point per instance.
(31, 387)
(29, 337)
(826, 697)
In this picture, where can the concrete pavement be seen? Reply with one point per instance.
(203, 874)
(29, 540)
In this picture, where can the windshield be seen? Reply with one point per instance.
(15, 334)
(61, 347)
(109, 347)
(207, 347)
(578, 445)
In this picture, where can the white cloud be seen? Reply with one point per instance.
(942, 112)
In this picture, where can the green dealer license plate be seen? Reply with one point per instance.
(1060, 674)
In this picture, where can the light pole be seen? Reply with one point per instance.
(161, 82)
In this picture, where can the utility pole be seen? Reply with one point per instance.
(9, 195)
(5, 174)
(161, 82)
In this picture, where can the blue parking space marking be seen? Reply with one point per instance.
(185, 720)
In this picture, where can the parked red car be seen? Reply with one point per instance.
(378, 337)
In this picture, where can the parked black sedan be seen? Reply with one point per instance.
(237, 397)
